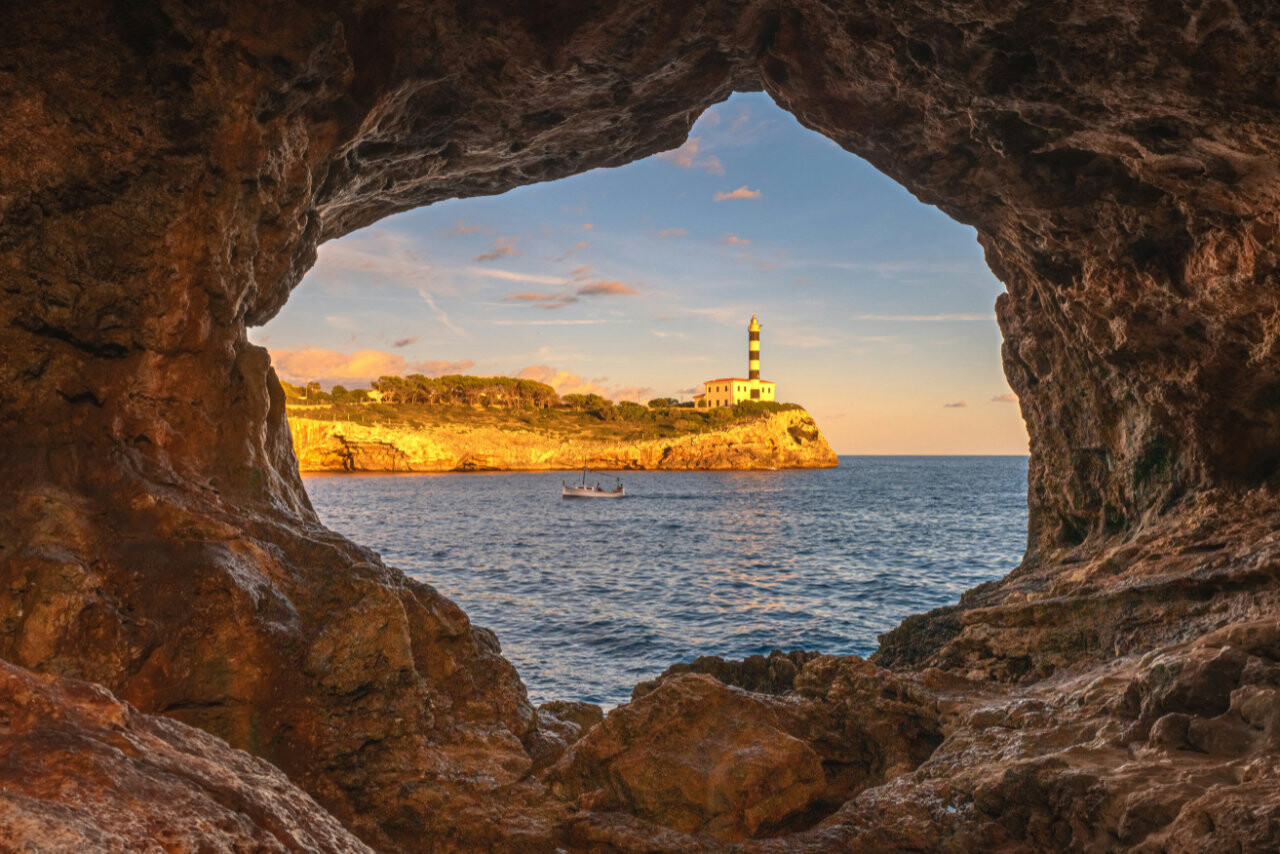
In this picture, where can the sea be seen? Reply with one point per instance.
(590, 597)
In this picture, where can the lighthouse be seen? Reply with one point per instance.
(727, 391)
(753, 349)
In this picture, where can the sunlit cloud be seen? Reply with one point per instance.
(673, 232)
(513, 276)
(502, 247)
(565, 382)
(740, 193)
(686, 156)
(1005, 398)
(586, 226)
(582, 322)
(528, 296)
(959, 404)
(403, 342)
(925, 318)
(310, 363)
(462, 227)
(606, 289)
(735, 240)
(663, 334)
(739, 123)
(581, 272)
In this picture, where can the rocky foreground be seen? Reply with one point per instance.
(167, 172)
(781, 440)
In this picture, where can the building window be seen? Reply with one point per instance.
(755, 394)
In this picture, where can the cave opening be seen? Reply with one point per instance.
(632, 283)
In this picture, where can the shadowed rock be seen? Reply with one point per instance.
(167, 170)
(81, 771)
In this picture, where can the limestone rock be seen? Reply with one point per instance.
(696, 756)
(81, 771)
(788, 439)
(167, 170)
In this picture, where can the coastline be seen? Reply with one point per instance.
(781, 440)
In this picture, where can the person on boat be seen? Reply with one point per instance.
(598, 489)
(618, 488)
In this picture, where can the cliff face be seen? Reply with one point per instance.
(167, 170)
(789, 439)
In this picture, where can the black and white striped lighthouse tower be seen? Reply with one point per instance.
(753, 351)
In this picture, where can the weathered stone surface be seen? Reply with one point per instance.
(789, 439)
(167, 170)
(81, 771)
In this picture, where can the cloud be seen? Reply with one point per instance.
(404, 342)
(462, 227)
(512, 276)
(606, 289)
(378, 253)
(577, 247)
(924, 318)
(686, 157)
(586, 226)
(581, 272)
(439, 313)
(672, 232)
(310, 363)
(957, 405)
(1005, 398)
(734, 240)
(739, 123)
(503, 246)
(552, 301)
(548, 322)
(528, 296)
(661, 334)
(338, 321)
(740, 193)
(565, 382)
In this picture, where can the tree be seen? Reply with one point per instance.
(663, 403)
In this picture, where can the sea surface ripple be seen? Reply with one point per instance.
(590, 597)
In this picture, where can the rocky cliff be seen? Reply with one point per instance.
(789, 439)
(167, 170)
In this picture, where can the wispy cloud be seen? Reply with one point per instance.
(673, 232)
(513, 276)
(403, 342)
(340, 321)
(686, 156)
(959, 404)
(577, 247)
(528, 296)
(502, 247)
(440, 314)
(1010, 397)
(735, 240)
(586, 226)
(606, 289)
(581, 272)
(740, 193)
(591, 322)
(310, 363)
(462, 227)
(926, 318)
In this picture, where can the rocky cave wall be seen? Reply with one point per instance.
(169, 168)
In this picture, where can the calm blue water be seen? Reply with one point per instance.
(590, 597)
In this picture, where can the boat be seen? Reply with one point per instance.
(584, 491)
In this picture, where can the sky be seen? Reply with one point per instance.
(876, 311)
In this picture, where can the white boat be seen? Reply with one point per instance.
(584, 491)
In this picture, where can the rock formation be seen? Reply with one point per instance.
(787, 439)
(81, 771)
(167, 170)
